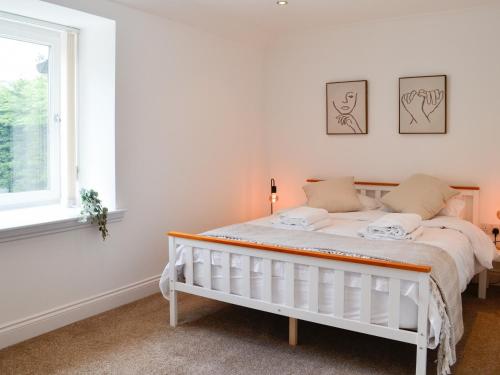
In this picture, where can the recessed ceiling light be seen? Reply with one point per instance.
(284, 2)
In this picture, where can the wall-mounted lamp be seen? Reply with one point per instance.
(273, 198)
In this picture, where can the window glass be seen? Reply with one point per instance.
(24, 117)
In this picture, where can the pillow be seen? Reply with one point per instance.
(420, 194)
(334, 195)
(454, 207)
(368, 203)
(386, 208)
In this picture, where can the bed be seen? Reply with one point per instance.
(369, 294)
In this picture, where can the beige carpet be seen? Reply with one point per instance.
(215, 338)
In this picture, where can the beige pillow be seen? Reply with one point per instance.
(334, 195)
(419, 194)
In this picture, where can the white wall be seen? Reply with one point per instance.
(188, 158)
(463, 45)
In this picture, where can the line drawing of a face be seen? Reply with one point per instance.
(345, 104)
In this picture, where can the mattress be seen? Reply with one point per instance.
(326, 290)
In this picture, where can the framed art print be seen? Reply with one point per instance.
(422, 105)
(347, 107)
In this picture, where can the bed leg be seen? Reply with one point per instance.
(173, 308)
(172, 281)
(483, 284)
(421, 360)
(292, 331)
(423, 314)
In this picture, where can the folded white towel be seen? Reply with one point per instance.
(392, 226)
(303, 216)
(376, 236)
(312, 227)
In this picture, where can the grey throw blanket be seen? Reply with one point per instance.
(444, 278)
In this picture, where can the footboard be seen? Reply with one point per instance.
(314, 261)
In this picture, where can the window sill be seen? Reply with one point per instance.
(40, 221)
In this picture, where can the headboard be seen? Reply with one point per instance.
(379, 189)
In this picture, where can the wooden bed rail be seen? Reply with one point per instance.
(310, 253)
(391, 184)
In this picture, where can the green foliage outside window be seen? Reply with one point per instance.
(23, 135)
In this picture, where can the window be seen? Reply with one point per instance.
(54, 45)
(34, 143)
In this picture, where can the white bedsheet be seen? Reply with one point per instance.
(455, 243)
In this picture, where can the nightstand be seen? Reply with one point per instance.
(494, 274)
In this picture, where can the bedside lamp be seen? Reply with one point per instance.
(495, 230)
(273, 198)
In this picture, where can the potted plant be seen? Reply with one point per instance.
(93, 210)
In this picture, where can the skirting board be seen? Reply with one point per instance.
(26, 328)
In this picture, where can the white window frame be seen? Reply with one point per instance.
(51, 38)
(87, 129)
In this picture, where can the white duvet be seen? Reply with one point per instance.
(469, 247)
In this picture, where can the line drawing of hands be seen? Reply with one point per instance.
(432, 100)
(414, 105)
(420, 105)
(350, 121)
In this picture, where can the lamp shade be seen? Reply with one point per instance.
(274, 191)
(273, 198)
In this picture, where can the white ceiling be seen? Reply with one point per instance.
(258, 21)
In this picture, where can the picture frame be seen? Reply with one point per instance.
(347, 107)
(423, 104)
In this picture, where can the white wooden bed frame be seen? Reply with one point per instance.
(368, 268)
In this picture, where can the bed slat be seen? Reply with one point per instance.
(226, 272)
(394, 302)
(366, 292)
(189, 267)
(339, 293)
(207, 269)
(289, 284)
(313, 288)
(246, 275)
(267, 274)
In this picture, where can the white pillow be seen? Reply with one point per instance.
(454, 207)
(368, 203)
